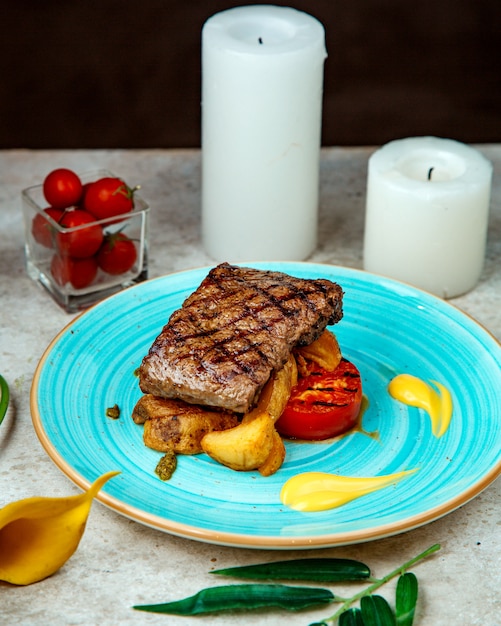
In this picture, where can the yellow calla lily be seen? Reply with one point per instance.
(38, 535)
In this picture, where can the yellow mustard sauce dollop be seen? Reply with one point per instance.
(417, 393)
(319, 491)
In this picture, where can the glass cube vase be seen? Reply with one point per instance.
(77, 283)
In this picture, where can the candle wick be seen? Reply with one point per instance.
(260, 39)
(429, 172)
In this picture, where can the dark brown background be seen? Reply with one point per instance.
(126, 73)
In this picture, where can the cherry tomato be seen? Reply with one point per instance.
(81, 202)
(108, 197)
(42, 230)
(78, 272)
(62, 188)
(81, 242)
(323, 404)
(117, 254)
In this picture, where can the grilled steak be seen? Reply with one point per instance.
(220, 348)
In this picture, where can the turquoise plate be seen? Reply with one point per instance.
(388, 328)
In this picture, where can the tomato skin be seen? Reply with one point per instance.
(83, 242)
(323, 404)
(81, 202)
(42, 230)
(78, 272)
(117, 255)
(62, 188)
(108, 197)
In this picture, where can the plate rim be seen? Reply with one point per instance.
(232, 539)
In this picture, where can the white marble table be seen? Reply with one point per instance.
(119, 562)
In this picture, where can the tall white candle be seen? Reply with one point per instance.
(262, 79)
(427, 213)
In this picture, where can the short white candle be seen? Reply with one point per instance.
(427, 213)
(262, 80)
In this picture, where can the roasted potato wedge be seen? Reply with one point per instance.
(245, 447)
(275, 458)
(173, 425)
(276, 392)
(325, 351)
(255, 444)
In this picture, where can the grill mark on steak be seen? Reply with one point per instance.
(222, 345)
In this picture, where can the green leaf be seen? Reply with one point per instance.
(351, 617)
(325, 570)
(347, 602)
(4, 397)
(406, 599)
(247, 596)
(376, 611)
